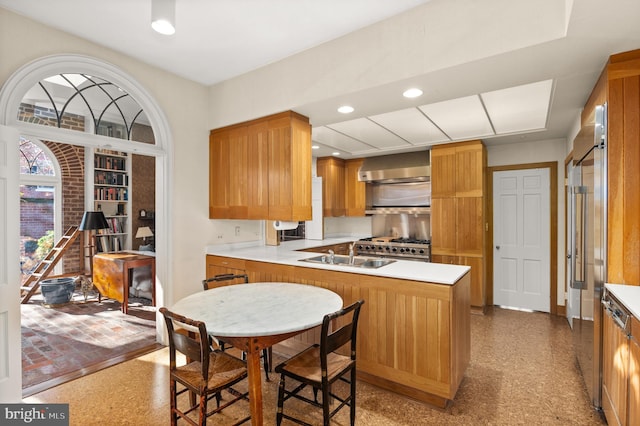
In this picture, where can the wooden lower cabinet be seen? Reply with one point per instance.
(615, 367)
(634, 373)
(217, 265)
(413, 337)
(478, 297)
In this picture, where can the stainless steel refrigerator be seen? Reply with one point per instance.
(587, 232)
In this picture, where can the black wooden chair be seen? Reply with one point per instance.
(319, 366)
(206, 374)
(267, 353)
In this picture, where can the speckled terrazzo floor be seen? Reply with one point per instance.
(522, 372)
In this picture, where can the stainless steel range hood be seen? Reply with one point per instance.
(405, 167)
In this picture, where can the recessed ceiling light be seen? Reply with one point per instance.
(315, 147)
(345, 109)
(335, 153)
(412, 93)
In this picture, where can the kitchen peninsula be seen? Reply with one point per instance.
(414, 331)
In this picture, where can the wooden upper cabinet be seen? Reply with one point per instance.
(219, 174)
(443, 171)
(257, 171)
(355, 190)
(471, 161)
(342, 193)
(332, 171)
(622, 96)
(457, 170)
(261, 169)
(289, 168)
(238, 150)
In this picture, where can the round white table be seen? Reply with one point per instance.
(258, 315)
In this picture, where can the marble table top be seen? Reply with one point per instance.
(259, 309)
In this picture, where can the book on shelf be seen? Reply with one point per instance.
(108, 242)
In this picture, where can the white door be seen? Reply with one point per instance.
(10, 345)
(521, 239)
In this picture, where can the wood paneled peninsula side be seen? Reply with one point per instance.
(414, 331)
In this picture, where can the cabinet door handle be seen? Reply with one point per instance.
(497, 247)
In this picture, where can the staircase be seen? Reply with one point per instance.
(46, 266)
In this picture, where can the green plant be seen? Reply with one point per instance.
(30, 246)
(45, 244)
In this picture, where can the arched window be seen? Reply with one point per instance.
(87, 104)
(33, 160)
(39, 199)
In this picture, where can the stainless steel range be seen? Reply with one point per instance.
(398, 248)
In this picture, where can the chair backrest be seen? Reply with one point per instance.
(189, 338)
(224, 277)
(346, 331)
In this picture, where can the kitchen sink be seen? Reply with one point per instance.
(341, 260)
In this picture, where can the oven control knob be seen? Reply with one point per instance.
(394, 249)
(413, 250)
(421, 251)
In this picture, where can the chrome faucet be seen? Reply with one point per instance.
(351, 253)
(332, 256)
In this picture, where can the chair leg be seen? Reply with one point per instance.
(203, 410)
(280, 401)
(267, 363)
(173, 403)
(325, 404)
(352, 404)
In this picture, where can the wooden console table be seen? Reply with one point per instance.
(112, 274)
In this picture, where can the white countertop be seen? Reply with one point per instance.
(628, 295)
(286, 254)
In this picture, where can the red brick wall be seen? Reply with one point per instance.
(36, 218)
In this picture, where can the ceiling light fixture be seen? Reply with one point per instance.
(412, 93)
(315, 147)
(335, 153)
(163, 16)
(345, 109)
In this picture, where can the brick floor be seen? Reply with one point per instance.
(59, 340)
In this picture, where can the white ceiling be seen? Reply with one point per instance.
(528, 83)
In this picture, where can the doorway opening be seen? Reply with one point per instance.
(120, 120)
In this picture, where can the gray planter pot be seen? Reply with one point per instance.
(56, 291)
